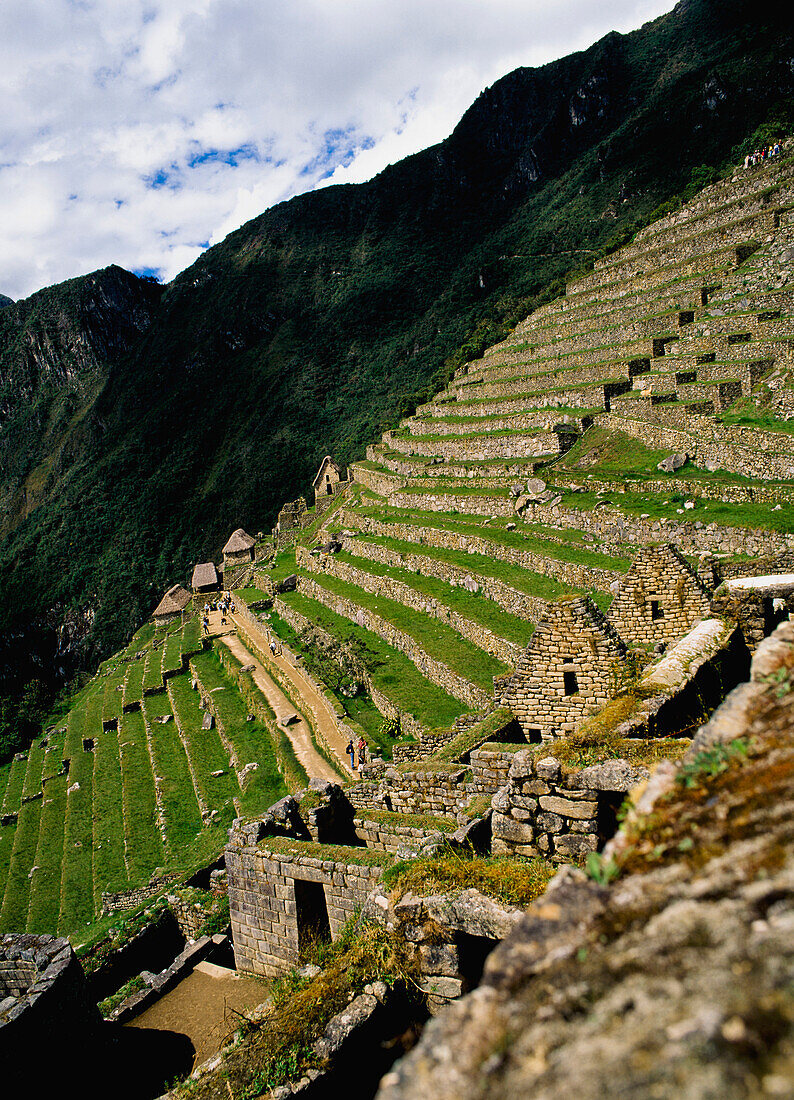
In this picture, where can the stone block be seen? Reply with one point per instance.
(548, 768)
(549, 823)
(574, 845)
(506, 828)
(438, 986)
(567, 807)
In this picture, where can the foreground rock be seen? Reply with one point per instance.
(676, 980)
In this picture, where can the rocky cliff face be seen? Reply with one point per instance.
(676, 979)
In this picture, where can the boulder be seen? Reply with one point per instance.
(672, 463)
(535, 486)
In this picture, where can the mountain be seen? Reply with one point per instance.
(139, 424)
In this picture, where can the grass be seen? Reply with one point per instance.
(251, 595)
(45, 891)
(144, 843)
(181, 811)
(513, 881)
(110, 871)
(77, 896)
(204, 749)
(338, 853)
(14, 913)
(437, 640)
(391, 671)
(474, 606)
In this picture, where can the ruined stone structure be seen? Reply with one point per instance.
(327, 482)
(43, 999)
(279, 900)
(292, 517)
(660, 598)
(566, 672)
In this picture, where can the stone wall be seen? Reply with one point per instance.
(131, 899)
(611, 526)
(440, 790)
(566, 672)
(660, 599)
(266, 910)
(435, 671)
(526, 445)
(541, 811)
(393, 589)
(489, 768)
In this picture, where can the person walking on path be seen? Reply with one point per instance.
(350, 749)
(362, 751)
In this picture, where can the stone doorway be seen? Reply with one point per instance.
(311, 914)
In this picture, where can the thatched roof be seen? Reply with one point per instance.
(238, 542)
(205, 575)
(173, 602)
(327, 461)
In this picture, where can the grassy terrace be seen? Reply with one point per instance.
(45, 890)
(144, 844)
(471, 605)
(205, 750)
(251, 741)
(525, 537)
(14, 912)
(437, 640)
(180, 808)
(110, 869)
(391, 671)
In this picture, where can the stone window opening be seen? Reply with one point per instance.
(570, 684)
(311, 914)
(657, 611)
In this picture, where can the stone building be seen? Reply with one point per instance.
(327, 482)
(293, 515)
(567, 671)
(239, 549)
(205, 578)
(660, 599)
(172, 604)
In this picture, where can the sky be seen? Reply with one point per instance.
(140, 132)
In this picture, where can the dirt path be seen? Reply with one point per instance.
(298, 732)
(205, 1006)
(322, 711)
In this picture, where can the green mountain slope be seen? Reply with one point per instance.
(318, 324)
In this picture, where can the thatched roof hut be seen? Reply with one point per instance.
(240, 546)
(205, 577)
(172, 604)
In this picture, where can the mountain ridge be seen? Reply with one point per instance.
(317, 324)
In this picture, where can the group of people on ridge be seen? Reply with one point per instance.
(225, 605)
(766, 152)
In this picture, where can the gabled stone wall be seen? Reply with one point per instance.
(566, 672)
(660, 599)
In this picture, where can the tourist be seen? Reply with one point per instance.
(273, 647)
(362, 751)
(205, 622)
(352, 753)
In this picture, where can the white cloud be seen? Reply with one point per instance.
(133, 132)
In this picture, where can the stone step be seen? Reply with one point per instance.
(545, 419)
(539, 445)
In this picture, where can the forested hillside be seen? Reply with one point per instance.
(139, 424)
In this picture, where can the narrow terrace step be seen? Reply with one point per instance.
(519, 591)
(413, 466)
(16, 898)
(544, 419)
(570, 565)
(45, 883)
(396, 684)
(441, 655)
(478, 446)
(749, 451)
(481, 622)
(143, 844)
